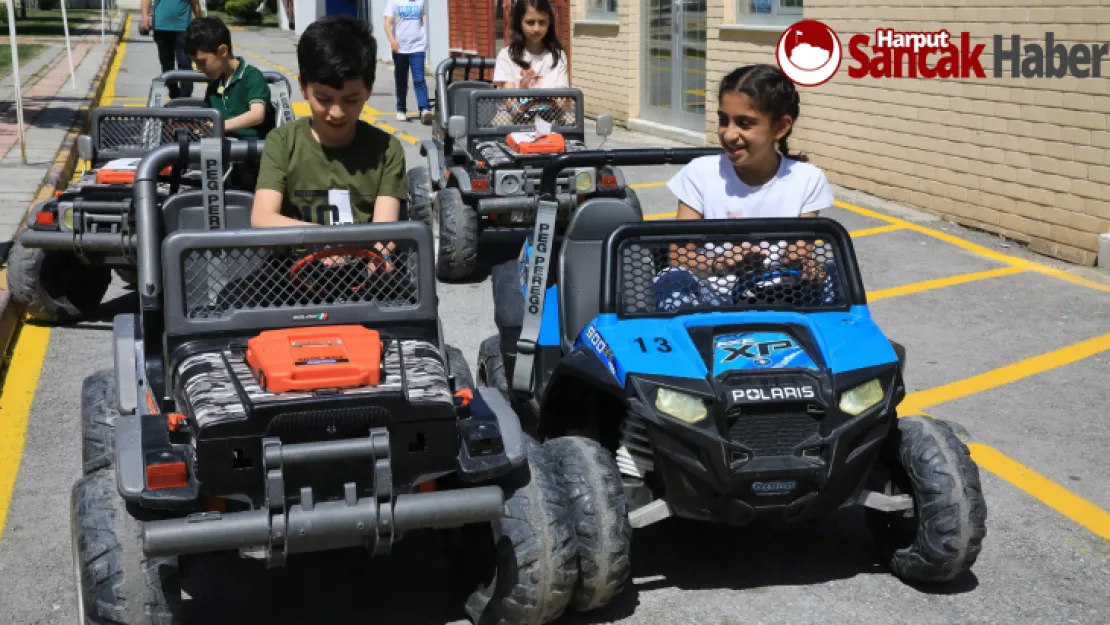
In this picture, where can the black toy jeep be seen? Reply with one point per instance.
(485, 159)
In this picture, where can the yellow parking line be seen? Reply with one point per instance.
(15, 406)
(647, 185)
(108, 95)
(929, 285)
(866, 232)
(1046, 491)
(922, 400)
(974, 248)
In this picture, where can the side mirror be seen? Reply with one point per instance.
(456, 126)
(604, 125)
(85, 147)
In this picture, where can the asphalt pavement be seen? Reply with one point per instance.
(1010, 346)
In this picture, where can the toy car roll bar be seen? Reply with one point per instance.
(210, 153)
(444, 69)
(542, 236)
(285, 107)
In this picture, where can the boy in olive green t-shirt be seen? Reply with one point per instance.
(332, 167)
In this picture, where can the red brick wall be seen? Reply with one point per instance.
(472, 23)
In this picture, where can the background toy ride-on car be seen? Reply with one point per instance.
(732, 370)
(288, 390)
(281, 93)
(483, 170)
(60, 264)
(60, 267)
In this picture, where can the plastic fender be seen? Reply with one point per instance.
(462, 178)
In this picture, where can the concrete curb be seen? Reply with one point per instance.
(57, 177)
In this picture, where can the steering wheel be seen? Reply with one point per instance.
(538, 106)
(346, 271)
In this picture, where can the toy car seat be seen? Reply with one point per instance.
(580, 262)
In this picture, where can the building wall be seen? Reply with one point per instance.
(1025, 158)
(607, 61)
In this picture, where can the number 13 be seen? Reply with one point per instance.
(661, 344)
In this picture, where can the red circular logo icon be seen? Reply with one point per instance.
(809, 53)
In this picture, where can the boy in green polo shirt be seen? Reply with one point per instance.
(235, 88)
(331, 167)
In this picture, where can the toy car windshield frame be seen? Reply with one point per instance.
(632, 286)
(122, 132)
(487, 107)
(252, 278)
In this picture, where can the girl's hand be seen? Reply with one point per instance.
(526, 78)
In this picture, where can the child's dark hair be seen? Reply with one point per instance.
(207, 34)
(771, 91)
(516, 42)
(336, 49)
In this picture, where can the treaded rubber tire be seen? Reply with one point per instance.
(99, 410)
(534, 560)
(117, 582)
(458, 236)
(458, 367)
(420, 195)
(603, 532)
(491, 365)
(950, 511)
(77, 296)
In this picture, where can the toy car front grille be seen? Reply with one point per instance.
(772, 432)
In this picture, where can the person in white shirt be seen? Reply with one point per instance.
(534, 58)
(405, 27)
(757, 107)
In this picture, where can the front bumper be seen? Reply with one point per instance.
(727, 470)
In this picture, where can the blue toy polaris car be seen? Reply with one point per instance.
(722, 371)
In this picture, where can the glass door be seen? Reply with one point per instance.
(673, 79)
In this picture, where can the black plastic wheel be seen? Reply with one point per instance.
(420, 195)
(456, 363)
(456, 226)
(99, 410)
(117, 583)
(55, 287)
(524, 571)
(603, 533)
(943, 536)
(491, 365)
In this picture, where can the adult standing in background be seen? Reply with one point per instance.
(405, 27)
(171, 18)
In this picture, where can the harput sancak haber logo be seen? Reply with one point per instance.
(809, 53)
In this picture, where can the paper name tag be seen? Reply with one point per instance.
(341, 200)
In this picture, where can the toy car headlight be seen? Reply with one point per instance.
(584, 180)
(67, 217)
(857, 399)
(681, 406)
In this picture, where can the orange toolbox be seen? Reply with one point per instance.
(529, 143)
(305, 359)
(122, 171)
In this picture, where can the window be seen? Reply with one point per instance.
(603, 10)
(769, 12)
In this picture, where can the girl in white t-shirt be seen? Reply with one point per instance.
(757, 107)
(534, 57)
